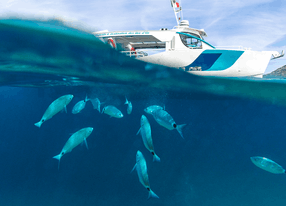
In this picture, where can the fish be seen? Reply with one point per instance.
(96, 104)
(79, 106)
(74, 140)
(129, 106)
(145, 131)
(141, 168)
(54, 108)
(112, 111)
(153, 108)
(166, 120)
(267, 164)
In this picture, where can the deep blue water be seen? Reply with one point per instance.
(211, 166)
(228, 121)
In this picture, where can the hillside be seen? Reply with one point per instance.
(280, 72)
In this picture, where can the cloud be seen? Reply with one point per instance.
(248, 27)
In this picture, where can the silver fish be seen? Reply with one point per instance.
(96, 104)
(77, 138)
(165, 119)
(267, 164)
(79, 106)
(141, 168)
(153, 108)
(145, 131)
(129, 106)
(55, 107)
(112, 111)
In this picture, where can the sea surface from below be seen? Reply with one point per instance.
(228, 120)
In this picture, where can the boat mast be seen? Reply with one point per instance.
(177, 10)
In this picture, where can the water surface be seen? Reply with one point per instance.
(228, 121)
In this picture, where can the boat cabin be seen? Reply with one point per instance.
(143, 43)
(184, 48)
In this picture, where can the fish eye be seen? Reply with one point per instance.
(152, 153)
(63, 153)
(174, 125)
(43, 120)
(148, 188)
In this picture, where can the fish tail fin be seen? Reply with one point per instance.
(98, 108)
(156, 158)
(38, 124)
(58, 157)
(86, 99)
(179, 129)
(152, 194)
(126, 100)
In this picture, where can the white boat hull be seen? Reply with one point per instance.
(231, 63)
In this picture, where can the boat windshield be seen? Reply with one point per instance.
(191, 41)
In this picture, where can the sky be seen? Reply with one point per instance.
(256, 24)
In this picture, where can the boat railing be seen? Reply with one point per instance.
(138, 53)
(233, 47)
(134, 53)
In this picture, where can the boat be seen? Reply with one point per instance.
(185, 48)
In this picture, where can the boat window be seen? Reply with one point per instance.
(137, 46)
(191, 42)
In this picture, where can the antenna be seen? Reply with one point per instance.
(177, 10)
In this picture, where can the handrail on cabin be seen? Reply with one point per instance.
(196, 38)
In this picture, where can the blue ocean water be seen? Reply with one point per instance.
(228, 121)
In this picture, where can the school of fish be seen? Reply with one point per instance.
(161, 116)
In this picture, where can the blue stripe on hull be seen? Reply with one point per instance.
(216, 60)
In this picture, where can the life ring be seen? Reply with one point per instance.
(133, 52)
(111, 43)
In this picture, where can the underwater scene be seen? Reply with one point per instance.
(84, 125)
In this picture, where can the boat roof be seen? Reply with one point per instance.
(144, 39)
(146, 35)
